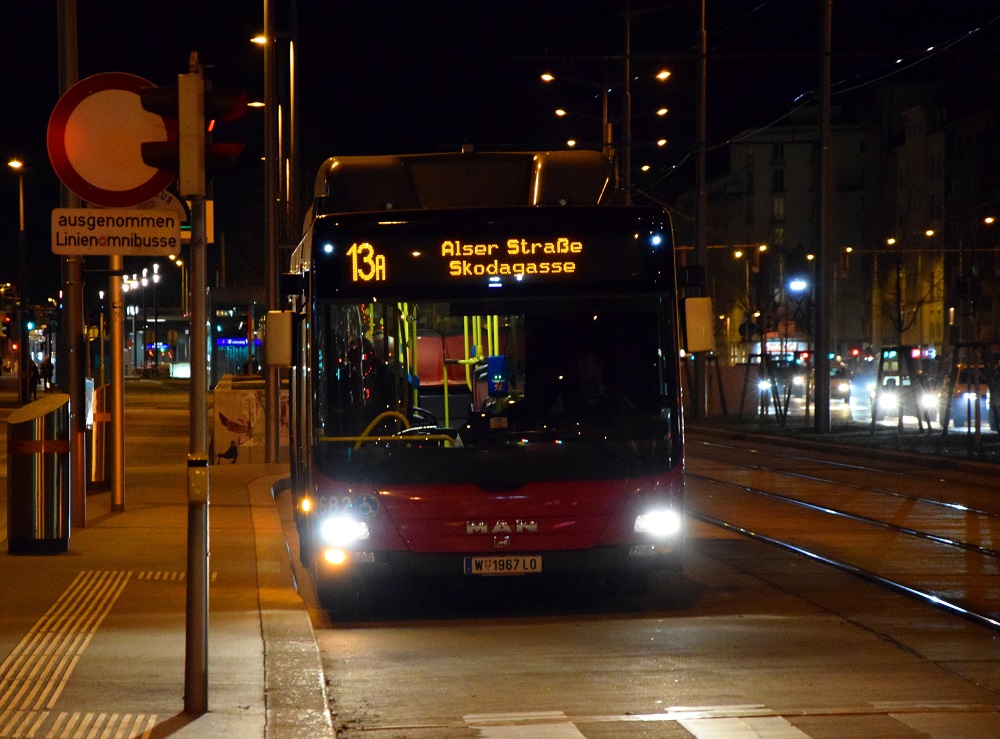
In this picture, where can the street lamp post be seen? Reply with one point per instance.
(179, 263)
(132, 285)
(23, 383)
(607, 128)
(144, 281)
(100, 336)
(156, 320)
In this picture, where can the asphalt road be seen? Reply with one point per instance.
(751, 641)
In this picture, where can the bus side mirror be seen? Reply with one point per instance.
(278, 338)
(699, 322)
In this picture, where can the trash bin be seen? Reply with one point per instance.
(38, 477)
(98, 451)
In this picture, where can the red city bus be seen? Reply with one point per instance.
(484, 377)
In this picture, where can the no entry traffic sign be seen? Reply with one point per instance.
(94, 137)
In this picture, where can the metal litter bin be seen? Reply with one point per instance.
(38, 508)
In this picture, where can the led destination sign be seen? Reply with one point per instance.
(457, 260)
(593, 246)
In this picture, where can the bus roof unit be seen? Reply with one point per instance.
(465, 179)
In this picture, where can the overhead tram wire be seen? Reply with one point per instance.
(804, 99)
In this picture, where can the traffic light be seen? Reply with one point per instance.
(5, 326)
(191, 112)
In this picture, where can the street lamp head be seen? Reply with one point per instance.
(547, 77)
(15, 164)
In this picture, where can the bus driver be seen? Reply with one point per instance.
(589, 401)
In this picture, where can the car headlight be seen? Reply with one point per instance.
(888, 401)
(340, 531)
(662, 522)
(929, 401)
(843, 387)
(798, 380)
(763, 385)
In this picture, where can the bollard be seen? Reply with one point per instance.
(38, 501)
(97, 438)
(196, 627)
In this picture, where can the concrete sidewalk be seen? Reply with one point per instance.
(92, 641)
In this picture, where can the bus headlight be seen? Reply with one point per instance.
(341, 531)
(662, 522)
(929, 401)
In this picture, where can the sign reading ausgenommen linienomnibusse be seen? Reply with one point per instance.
(128, 232)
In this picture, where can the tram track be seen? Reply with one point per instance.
(983, 619)
(853, 524)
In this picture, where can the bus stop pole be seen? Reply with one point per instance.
(196, 641)
(191, 113)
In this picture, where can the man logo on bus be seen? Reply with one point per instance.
(501, 527)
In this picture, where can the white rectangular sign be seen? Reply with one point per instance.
(128, 232)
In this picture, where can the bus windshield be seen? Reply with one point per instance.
(532, 388)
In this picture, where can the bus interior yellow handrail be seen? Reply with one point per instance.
(359, 440)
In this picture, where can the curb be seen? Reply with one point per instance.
(296, 703)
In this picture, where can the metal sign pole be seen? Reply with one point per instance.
(117, 420)
(191, 133)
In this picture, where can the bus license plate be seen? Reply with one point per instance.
(511, 565)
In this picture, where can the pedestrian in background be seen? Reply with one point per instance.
(46, 373)
(33, 379)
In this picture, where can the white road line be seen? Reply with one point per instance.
(537, 725)
(750, 727)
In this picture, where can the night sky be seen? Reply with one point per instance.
(403, 77)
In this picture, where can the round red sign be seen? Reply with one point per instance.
(94, 137)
